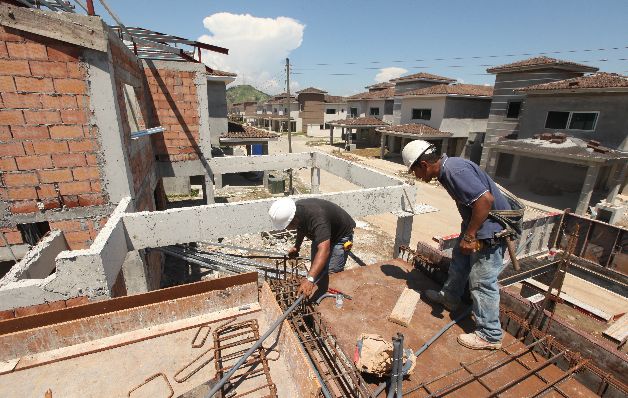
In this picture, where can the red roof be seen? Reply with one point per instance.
(311, 90)
(216, 72)
(240, 131)
(379, 94)
(541, 62)
(418, 129)
(335, 99)
(360, 121)
(380, 86)
(597, 80)
(474, 90)
(423, 76)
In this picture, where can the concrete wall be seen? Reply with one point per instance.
(402, 87)
(612, 124)
(436, 104)
(217, 109)
(503, 92)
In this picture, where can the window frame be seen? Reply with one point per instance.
(518, 113)
(353, 114)
(333, 111)
(568, 124)
(371, 111)
(421, 109)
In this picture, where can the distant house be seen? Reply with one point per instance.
(377, 102)
(273, 114)
(556, 135)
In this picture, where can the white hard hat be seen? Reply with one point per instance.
(414, 150)
(282, 212)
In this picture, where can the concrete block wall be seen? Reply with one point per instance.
(48, 150)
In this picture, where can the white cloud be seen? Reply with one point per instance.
(257, 47)
(459, 80)
(385, 74)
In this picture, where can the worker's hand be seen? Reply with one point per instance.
(293, 252)
(469, 247)
(307, 288)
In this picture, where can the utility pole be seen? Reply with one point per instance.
(288, 121)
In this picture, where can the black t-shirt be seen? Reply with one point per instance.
(320, 220)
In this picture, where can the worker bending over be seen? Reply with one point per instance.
(478, 256)
(326, 224)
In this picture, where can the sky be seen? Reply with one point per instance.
(342, 46)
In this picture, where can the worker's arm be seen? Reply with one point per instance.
(479, 213)
(294, 251)
(323, 250)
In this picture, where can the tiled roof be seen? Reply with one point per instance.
(423, 76)
(379, 94)
(596, 80)
(311, 90)
(571, 148)
(418, 129)
(216, 72)
(335, 99)
(539, 62)
(241, 131)
(359, 121)
(379, 86)
(453, 89)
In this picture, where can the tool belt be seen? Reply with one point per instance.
(510, 220)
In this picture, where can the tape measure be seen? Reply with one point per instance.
(348, 245)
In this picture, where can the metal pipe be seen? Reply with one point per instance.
(392, 389)
(400, 372)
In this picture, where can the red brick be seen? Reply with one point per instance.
(11, 117)
(57, 175)
(58, 101)
(9, 34)
(34, 84)
(85, 173)
(7, 165)
(70, 201)
(46, 147)
(5, 133)
(77, 236)
(33, 162)
(30, 132)
(7, 314)
(19, 179)
(27, 50)
(91, 200)
(73, 188)
(52, 203)
(80, 300)
(70, 86)
(82, 146)
(61, 131)
(14, 237)
(17, 100)
(42, 117)
(69, 160)
(28, 147)
(24, 206)
(75, 71)
(11, 149)
(67, 225)
(96, 186)
(59, 52)
(74, 116)
(79, 245)
(6, 84)
(22, 193)
(14, 67)
(46, 191)
(49, 69)
(92, 160)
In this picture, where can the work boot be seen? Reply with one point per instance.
(475, 342)
(438, 297)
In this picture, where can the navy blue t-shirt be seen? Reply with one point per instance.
(466, 182)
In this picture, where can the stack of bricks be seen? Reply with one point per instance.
(48, 150)
(176, 109)
(45, 307)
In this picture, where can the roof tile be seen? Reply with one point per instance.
(359, 121)
(596, 80)
(418, 129)
(453, 89)
(241, 131)
(423, 76)
(537, 62)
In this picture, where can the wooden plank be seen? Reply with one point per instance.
(404, 308)
(81, 30)
(618, 331)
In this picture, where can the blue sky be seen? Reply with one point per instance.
(358, 38)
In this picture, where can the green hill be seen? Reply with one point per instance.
(243, 93)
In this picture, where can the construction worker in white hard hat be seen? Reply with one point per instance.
(327, 225)
(478, 257)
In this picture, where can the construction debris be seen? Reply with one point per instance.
(404, 309)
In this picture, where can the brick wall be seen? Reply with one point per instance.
(48, 150)
(176, 109)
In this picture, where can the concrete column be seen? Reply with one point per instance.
(382, 146)
(343, 134)
(208, 189)
(331, 135)
(218, 181)
(403, 232)
(617, 181)
(403, 143)
(135, 273)
(587, 189)
(265, 175)
(491, 163)
(514, 168)
(392, 147)
(444, 146)
(315, 178)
